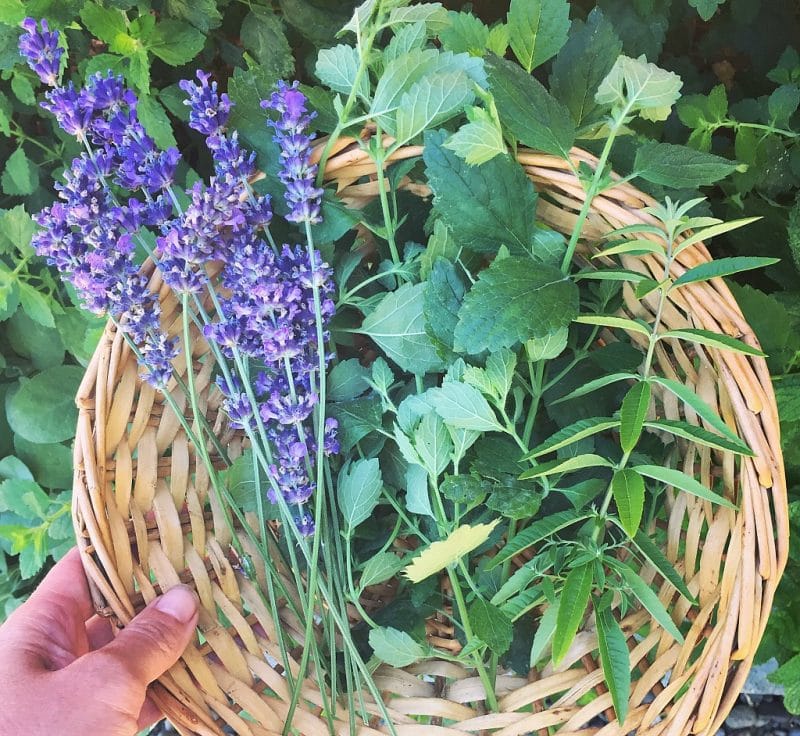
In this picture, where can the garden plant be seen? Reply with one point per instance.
(440, 408)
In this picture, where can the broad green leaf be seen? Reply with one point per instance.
(711, 339)
(596, 384)
(544, 633)
(615, 659)
(548, 347)
(432, 100)
(632, 414)
(515, 500)
(567, 465)
(23, 89)
(649, 600)
(12, 12)
(175, 42)
(657, 559)
(783, 103)
(433, 444)
(25, 498)
(467, 199)
(106, 24)
(35, 305)
(42, 345)
(379, 568)
(627, 486)
(358, 490)
(468, 489)
(14, 468)
(155, 121)
(396, 647)
(528, 110)
(357, 418)
(500, 367)
(478, 141)
(491, 626)
(679, 479)
(43, 409)
(680, 166)
(585, 60)
(610, 320)
(263, 35)
(405, 40)
(433, 15)
(513, 301)
(537, 30)
(439, 555)
(337, 68)
(700, 407)
(723, 267)
(571, 608)
(705, 9)
(202, 14)
(417, 499)
(347, 380)
(712, 231)
(397, 325)
(463, 406)
(19, 175)
(535, 533)
(636, 86)
(466, 33)
(699, 435)
(573, 433)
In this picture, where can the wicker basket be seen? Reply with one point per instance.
(145, 521)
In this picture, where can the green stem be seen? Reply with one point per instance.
(388, 219)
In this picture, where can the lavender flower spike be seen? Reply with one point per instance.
(208, 110)
(297, 172)
(41, 50)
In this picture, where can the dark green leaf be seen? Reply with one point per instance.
(175, 42)
(515, 500)
(202, 14)
(699, 435)
(380, 568)
(711, 339)
(536, 532)
(632, 415)
(443, 297)
(485, 206)
(528, 110)
(491, 625)
(464, 488)
(347, 380)
(615, 659)
(17, 228)
(23, 89)
(19, 176)
(357, 418)
(628, 489)
(649, 600)
(678, 479)
(263, 35)
(512, 301)
(679, 166)
(657, 559)
(466, 33)
(723, 267)
(571, 608)
(155, 121)
(537, 30)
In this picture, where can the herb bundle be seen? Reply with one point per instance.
(472, 428)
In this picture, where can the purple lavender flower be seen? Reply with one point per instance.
(297, 172)
(70, 109)
(41, 51)
(208, 110)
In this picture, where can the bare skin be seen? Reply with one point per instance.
(62, 672)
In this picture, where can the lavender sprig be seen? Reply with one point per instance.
(41, 51)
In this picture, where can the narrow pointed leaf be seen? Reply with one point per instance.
(579, 462)
(610, 320)
(615, 658)
(637, 247)
(573, 433)
(649, 600)
(597, 384)
(722, 267)
(713, 340)
(657, 559)
(710, 232)
(610, 274)
(627, 486)
(700, 435)
(679, 479)
(637, 228)
(572, 605)
(544, 633)
(632, 415)
(535, 533)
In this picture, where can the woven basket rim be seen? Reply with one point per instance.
(710, 682)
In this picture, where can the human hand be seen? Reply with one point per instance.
(62, 672)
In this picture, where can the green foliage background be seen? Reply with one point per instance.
(740, 101)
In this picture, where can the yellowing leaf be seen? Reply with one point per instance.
(441, 554)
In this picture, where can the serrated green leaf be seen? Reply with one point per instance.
(515, 500)
(263, 34)
(783, 103)
(202, 14)
(567, 465)
(357, 418)
(610, 320)
(463, 406)
(397, 325)
(491, 625)
(484, 206)
(155, 121)
(585, 60)
(700, 435)
(537, 30)
(679, 479)
(548, 347)
(17, 228)
(633, 413)
(649, 600)
(657, 559)
(680, 166)
(358, 490)
(396, 647)
(465, 33)
(417, 499)
(528, 110)
(572, 606)
(711, 339)
(478, 141)
(573, 433)
(380, 568)
(23, 89)
(337, 68)
(468, 489)
(19, 176)
(106, 24)
(500, 367)
(346, 380)
(35, 305)
(406, 39)
(627, 487)
(433, 444)
(640, 87)
(175, 42)
(12, 12)
(431, 101)
(433, 15)
(723, 267)
(615, 659)
(513, 301)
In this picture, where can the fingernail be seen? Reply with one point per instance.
(179, 602)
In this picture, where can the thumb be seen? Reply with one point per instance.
(156, 637)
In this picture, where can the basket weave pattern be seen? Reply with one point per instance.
(145, 521)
